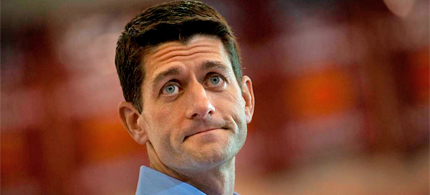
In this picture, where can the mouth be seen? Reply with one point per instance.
(203, 131)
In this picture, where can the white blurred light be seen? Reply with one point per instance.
(401, 8)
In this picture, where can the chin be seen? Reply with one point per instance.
(213, 157)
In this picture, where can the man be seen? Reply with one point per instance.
(186, 98)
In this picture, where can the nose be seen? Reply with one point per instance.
(200, 106)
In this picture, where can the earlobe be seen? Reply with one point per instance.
(248, 96)
(131, 120)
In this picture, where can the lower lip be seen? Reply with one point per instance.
(204, 134)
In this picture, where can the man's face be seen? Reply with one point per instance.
(193, 108)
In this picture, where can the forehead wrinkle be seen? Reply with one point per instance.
(171, 53)
(175, 57)
(165, 48)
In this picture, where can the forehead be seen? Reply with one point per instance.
(197, 48)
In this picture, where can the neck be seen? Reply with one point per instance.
(218, 180)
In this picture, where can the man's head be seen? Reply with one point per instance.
(186, 98)
(174, 21)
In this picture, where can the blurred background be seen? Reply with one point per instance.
(342, 97)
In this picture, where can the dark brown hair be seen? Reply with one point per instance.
(173, 21)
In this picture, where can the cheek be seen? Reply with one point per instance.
(234, 99)
(164, 122)
(231, 103)
(232, 107)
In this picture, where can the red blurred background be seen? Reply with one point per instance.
(342, 97)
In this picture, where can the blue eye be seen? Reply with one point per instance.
(170, 89)
(215, 80)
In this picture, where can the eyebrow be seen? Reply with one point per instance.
(164, 74)
(213, 65)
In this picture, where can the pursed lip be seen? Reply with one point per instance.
(202, 131)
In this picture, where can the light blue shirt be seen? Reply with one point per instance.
(157, 183)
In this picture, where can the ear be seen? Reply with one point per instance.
(248, 96)
(131, 120)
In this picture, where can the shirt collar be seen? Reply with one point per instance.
(154, 182)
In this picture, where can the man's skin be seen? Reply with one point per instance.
(194, 113)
